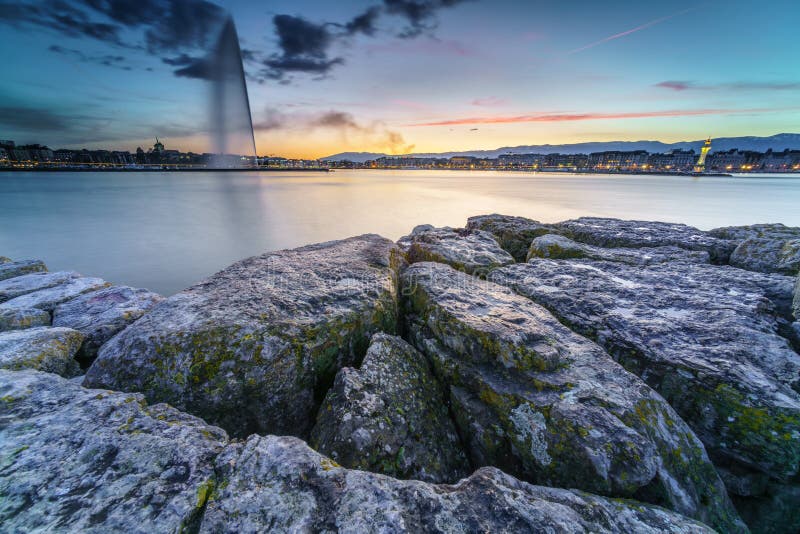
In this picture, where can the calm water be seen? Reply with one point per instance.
(167, 231)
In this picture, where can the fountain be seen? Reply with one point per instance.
(231, 124)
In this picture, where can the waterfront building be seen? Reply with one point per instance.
(617, 160)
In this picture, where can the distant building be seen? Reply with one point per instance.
(3, 154)
(7, 144)
(617, 160)
(462, 162)
(786, 161)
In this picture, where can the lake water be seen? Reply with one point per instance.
(167, 231)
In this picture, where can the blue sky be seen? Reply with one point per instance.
(422, 76)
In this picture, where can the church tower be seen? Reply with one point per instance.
(700, 166)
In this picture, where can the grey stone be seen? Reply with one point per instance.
(278, 484)
(11, 269)
(555, 246)
(102, 314)
(549, 406)
(81, 460)
(615, 233)
(49, 298)
(29, 283)
(390, 417)
(20, 318)
(705, 337)
(46, 349)
(796, 300)
(471, 251)
(513, 233)
(766, 230)
(255, 347)
(768, 255)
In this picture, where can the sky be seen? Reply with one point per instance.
(400, 76)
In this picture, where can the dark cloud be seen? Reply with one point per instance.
(198, 68)
(272, 119)
(165, 26)
(420, 14)
(335, 119)
(305, 46)
(107, 60)
(364, 23)
(31, 119)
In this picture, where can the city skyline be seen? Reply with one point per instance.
(400, 76)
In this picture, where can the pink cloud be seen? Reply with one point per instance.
(675, 85)
(569, 117)
(489, 101)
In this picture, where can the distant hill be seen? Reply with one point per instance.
(777, 142)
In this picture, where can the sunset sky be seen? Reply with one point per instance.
(398, 76)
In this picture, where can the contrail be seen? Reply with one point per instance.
(634, 30)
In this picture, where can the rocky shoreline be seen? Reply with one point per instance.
(594, 375)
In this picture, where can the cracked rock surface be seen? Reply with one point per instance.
(389, 416)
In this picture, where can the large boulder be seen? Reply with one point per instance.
(81, 460)
(50, 297)
(278, 484)
(796, 300)
(46, 349)
(471, 251)
(615, 233)
(555, 246)
(545, 404)
(20, 318)
(707, 338)
(390, 417)
(255, 347)
(100, 315)
(12, 269)
(28, 283)
(513, 233)
(767, 248)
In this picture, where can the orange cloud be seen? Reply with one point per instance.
(568, 117)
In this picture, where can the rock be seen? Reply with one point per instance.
(101, 314)
(615, 233)
(255, 347)
(47, 349)
(49, 298)
(513, 233)
(704, 337)
(29, 283)
(549, 406)
(80, 460)
(768, 255)
(11, 269)
(278, 484)
(18, 319)
(559, 247)
(775, 510)
(768, 230)
(796, 300)
(471, 251)
(390, 417)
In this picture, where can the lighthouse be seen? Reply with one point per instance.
(700, 166)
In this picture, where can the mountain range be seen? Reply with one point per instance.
(777, 142)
